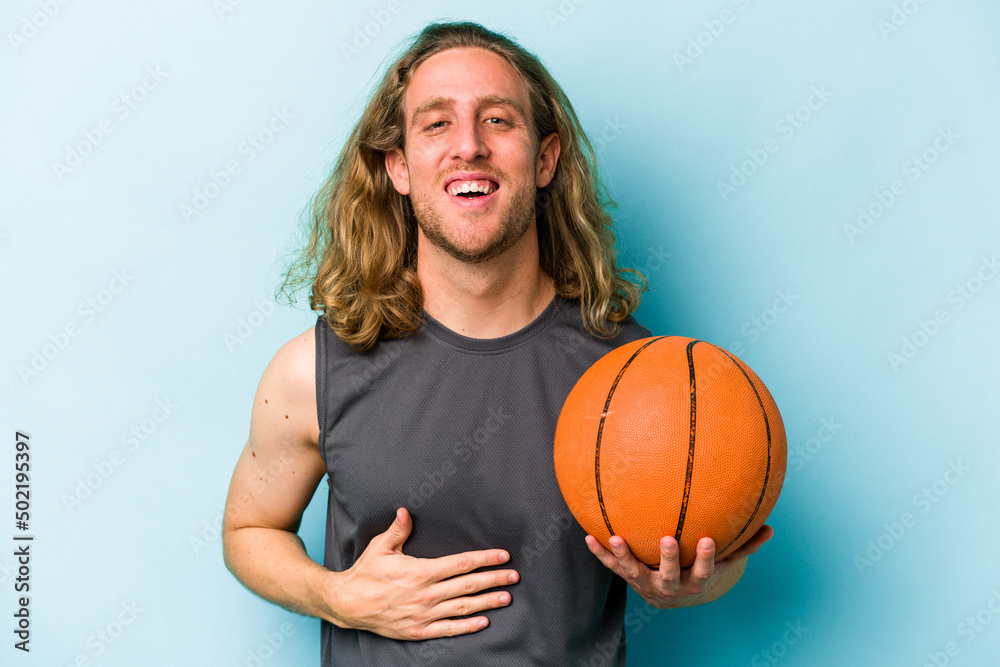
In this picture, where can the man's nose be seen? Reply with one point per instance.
(468, 142)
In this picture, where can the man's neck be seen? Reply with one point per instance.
(486, 300)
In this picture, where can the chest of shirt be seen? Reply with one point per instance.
(464, 442)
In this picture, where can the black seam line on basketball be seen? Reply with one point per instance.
(691, 440)
(767, 472)
(600, 430)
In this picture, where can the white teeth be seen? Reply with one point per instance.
(459, 187)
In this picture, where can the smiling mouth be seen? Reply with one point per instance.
(472, 189)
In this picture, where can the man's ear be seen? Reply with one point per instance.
(395, 166)
(548, 159)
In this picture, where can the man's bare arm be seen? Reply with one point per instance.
(275, 478)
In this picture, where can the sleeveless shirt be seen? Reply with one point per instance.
(460, 431)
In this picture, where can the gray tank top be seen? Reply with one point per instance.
(459, 431)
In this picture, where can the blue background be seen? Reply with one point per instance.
(886, 374)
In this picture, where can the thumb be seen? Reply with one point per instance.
(400, 529)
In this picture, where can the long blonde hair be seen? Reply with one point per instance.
(360, 258)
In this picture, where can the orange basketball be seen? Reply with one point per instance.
(670, 436)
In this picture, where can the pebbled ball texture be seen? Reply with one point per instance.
(670, 436)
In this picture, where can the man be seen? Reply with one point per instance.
(464, 267)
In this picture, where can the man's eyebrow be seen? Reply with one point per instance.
(485, 100)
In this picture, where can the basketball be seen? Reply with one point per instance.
(670, 436)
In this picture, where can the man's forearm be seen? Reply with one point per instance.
(273, 563)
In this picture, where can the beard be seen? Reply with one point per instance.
(515, 220)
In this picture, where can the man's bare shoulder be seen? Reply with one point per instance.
(284, 437)
(296, 359)
(287, 390)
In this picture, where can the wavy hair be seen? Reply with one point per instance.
(360, 257)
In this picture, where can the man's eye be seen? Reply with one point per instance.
(499, 121)
(436, 125)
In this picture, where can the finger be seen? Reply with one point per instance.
(670, 562)
(451, 627)
(704, 563)
(449, 566)
(472, 604)
(397, 533)
(756, 542)
(634, 570)
(468, 584)
(606, 557)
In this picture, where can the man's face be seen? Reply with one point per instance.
(470, 162)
